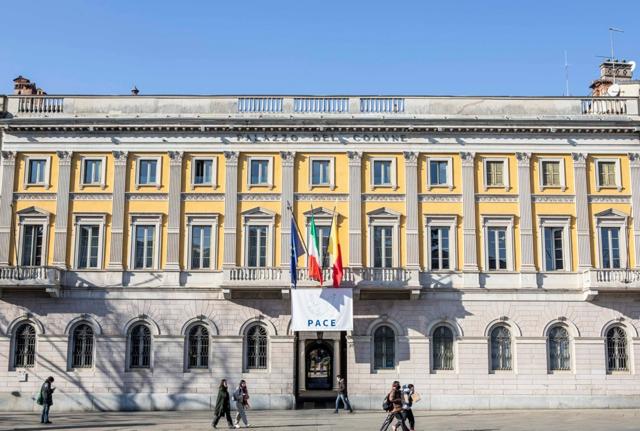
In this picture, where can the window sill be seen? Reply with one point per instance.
(140, 370)
(197, 371)
(444, 372)
(560, 372)
(384, 371)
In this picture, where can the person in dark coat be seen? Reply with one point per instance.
(47, 399)
(223, 405)
(342, 395)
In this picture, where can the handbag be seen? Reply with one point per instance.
(40, 399)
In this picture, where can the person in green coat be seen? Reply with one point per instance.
(223, 405)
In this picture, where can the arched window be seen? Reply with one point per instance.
(140, 347)
(384, 348)
(256, 343)
(559, 349)
(616, 349)
(198, 347)
(500, 348)
(443, 348)
(25, 346)
(82, 342)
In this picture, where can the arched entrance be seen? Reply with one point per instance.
(319, 365)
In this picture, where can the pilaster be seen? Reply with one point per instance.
(230, 208)
(355, 208)
(175, 206)
(582, 211)
(412, 243)
(6, 204)
(527, 263)
(117, 210)
(634, 161)
(470, 252)
(288, 162)
(62, 210)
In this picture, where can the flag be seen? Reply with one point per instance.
(297, 250)
(315, 270)
(335, 253)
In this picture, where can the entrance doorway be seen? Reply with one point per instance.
(318, 365)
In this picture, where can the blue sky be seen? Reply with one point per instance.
(465, 47)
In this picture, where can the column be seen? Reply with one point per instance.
(634, 161)
(62, 210)
(117, 210)
(6, 205)
(288, 162)
(230, 208)
(355, 209)
(582, 211)
(528, 277)
(175, 207)
(412, 213)
(470, 252)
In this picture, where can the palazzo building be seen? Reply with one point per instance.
(492, 244)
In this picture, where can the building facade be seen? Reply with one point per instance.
(492, 243)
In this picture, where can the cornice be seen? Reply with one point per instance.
(496, 198)
(138, 196)
(91, 196)
(34, 196)
(553, 198)
(244, 197)
(429, 197)
(321, 196)
(217, 197)
(383, 197)
(609, 199)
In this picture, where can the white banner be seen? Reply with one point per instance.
(322, 309)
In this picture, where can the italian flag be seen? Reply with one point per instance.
(315, 270)
(335, 253)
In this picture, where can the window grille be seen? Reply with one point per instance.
(500, 349)
(256, 343)
(384, 340)
(198, 347)
(616, 349)
(443, 348)
(140, 342)
(25, 351)
(82, 355)
(559, 349)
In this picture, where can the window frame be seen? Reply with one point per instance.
(130, 330)
(214, 172)
(46, 183)
(145, 219)
(454, 349)
(627, 347)
(570, 348)
(387, 218)
(13, 365)
(562, 173)
(34, 216)
(618, 173)
(245, 348)
(393, 172)
(72, 345)
(331, 183)
(210, 220)
(259, 217)
(187, 344)
(270, 160)
(442, 221)
(103, 171)
(449, 183)
(158, 159)
(498, 221)
(555, 221)
(492, 367)
(88, 219)
(374, 367)
(612, 218)
(505, 173)
(323, 219)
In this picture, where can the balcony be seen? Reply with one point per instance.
(613, 280)
(43, 277)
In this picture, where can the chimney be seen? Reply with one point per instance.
(22, 86)
(135, 91)
(622, 71)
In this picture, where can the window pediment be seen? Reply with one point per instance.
(320, 212)
(33, 212)
(259, 213)
(611, 213)
(384, 213)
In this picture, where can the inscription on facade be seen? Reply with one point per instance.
(323, 137)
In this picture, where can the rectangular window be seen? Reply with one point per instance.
(88, 246)
(36, 171)
(440, 248)
(257, 244)
(494, 173)
(320, 171)
(497, 248)
(553, 248)
(323, 239)
(610, 247)
(32, 245)
(144, 247)
(551, 173)
(438, 172)
(383, 246)
(382, 172)
(147, 171)
(203, 172)
(92, 171)
(259, 172)
(607, 173)
(200, 247)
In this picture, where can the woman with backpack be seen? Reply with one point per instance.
(393, 405)
(241, 397)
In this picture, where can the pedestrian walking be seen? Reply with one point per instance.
(241, 397)
(223, 405)
(393, 405)
(407, 404)
(45, 399)
(342, 395)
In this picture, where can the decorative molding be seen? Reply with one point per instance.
(355, 157)
(321, 196)
(272, 197)
(383, 197)
(64, 156)
(35, 196)
(288, 158)
(553, 198)
(410, 157)
(634, 160)
(135, 196)
(217, 197)
(609, 199)
(467, 158)
(231, 157)
(120, 157)
(8, 157)
(91, 196)
(524, 159)
(429, 197)
(579, 158)
(497, 198)
(176, 157)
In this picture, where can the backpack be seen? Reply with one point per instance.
(237, 395)
(40, 399)
(386, 405)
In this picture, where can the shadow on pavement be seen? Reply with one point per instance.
(82, 426)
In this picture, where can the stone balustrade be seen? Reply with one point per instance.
(608, 279)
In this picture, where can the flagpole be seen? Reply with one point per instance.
(297, 227)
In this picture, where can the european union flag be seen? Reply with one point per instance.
(297, 250)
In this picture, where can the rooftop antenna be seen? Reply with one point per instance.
(566, 74)
(613, 30)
